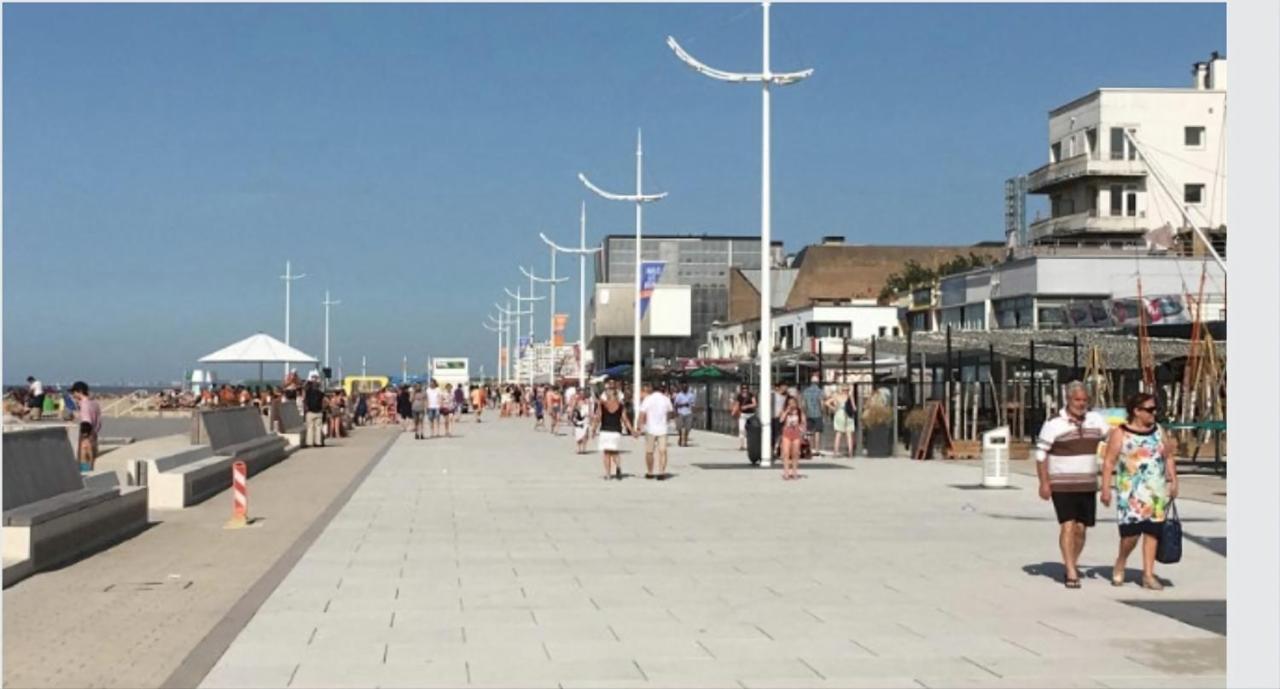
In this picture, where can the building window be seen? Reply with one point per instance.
(1117, 199)
(1130, 202)
(1193, 193)
(1117, 143)
(883, 330)
(1193, 137)
(1091, 140)
(897, 332)
(1055, 152)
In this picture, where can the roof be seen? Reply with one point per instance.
(783, 280)
(702, 236)
(258, 349)
(1053, 347)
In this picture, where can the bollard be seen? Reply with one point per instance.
(239, 496)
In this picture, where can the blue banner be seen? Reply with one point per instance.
(523, 345)
(650, 273)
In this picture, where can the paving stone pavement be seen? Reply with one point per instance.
(129, 616)
(500, 558)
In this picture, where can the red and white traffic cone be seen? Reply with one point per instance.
(239, 496)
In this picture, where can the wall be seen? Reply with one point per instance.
(668, 314)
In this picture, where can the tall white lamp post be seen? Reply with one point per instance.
(495, 328)
(551, 326)
(520, 299)
(327, 303)
(766, 77)
(639, 198)
(288, 278)
(582, 251)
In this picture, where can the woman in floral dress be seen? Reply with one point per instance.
(1146, 481)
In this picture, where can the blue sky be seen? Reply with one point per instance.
(162, 161)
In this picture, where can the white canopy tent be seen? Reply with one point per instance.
(258, 349)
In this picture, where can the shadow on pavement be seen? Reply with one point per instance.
(1101, 573)
(1209, 615)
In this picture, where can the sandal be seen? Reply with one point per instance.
(1071, 583)
(1152, 584)
(1117, 579)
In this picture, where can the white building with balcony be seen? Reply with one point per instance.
(1102, 188)
(808, 329)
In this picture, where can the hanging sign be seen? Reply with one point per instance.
(562, 319)
(650, 273)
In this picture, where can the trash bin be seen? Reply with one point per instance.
(995, 458)
(753, 439)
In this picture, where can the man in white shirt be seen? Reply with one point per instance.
(35, 400)
(655, 411)
(433, 406)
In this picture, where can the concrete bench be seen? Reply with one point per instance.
(51, 514)
(222, 436)
(292, 422)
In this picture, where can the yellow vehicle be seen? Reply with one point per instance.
(359, 385)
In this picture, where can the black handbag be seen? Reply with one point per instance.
(1169, 549)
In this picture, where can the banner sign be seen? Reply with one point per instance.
(650, 273)
(562, 319)
(522, 344)
(1101, 313)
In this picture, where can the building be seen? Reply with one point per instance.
(700, 264)
(808, 329)
(1125, 161)
(835, 272)
(1079, 289)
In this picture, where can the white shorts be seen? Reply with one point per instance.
(742, 424)
(610, 441)
(579, 433)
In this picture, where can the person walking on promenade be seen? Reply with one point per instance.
(1146, 481)
(446, 409)
(433, 407)
(404, 405)
(419, 408)
(35, 398)
(655, 413)
(553, 408)
(459, 402)
(362, 409)
(579, 417)
(89, 415)
(815, 406)
(843, 414)
(744, 407)
(478, 400)
(1067, 465)
(779, 403)
(313, 400)
(538, 408)
(684, 414)
(612, 421)
(793, 426)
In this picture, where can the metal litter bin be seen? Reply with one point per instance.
(753, 439)
(995, 458)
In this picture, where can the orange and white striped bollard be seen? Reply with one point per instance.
(239, 496)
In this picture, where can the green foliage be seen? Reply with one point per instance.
(915, 419)
(914, 275)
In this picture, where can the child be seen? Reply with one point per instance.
(537, 412)
(579, 419)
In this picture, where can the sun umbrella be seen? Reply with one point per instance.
(260, 349)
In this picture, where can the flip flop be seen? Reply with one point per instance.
(1071, 583)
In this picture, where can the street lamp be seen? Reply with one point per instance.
(520, 299)
(506, 311)
(327, 303)
(582, 252)
(288, 278)
(551, 327)
(765, 78)
(639, 198)
(496, 328)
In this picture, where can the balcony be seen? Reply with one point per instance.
(1088, 222)
(1082, 166)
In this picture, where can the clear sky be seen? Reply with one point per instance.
(162, 161)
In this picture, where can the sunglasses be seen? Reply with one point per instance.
(1149, 410)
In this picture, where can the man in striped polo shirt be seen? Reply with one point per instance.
(1067, 463)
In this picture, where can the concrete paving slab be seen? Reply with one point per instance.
(531, 571)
